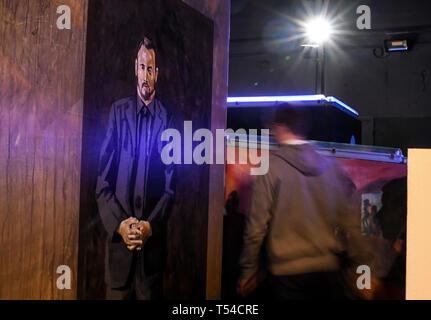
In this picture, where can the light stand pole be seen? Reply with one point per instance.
(320, 69)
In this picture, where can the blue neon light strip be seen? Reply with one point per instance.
(342, 104)
(301, 98)
(398, 49)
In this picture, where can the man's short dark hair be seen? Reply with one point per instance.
(294, 117)
(145, 41)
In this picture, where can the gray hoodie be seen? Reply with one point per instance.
(298, 208)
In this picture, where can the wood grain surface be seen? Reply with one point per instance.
(41, 180)
(41, 90)
(219, 12)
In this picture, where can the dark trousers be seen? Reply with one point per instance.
(308, 286)
(139, 286)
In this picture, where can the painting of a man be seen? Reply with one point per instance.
(134, 187)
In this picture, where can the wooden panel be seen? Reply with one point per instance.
(219, 11)
(109, 76)
(41, 89)
(418, 277)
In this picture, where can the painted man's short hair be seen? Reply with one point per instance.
(145, 41)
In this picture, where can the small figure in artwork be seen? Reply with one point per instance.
(369, 222)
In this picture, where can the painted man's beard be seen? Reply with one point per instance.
(145, 91)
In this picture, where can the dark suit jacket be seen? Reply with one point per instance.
(115, 195)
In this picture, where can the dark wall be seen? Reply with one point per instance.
(391, 93)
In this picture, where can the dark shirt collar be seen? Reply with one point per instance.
(151, 107)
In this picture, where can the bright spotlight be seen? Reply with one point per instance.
(318, 30)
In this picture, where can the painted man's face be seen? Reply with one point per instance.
(146, 73)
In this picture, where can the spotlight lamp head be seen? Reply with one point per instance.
(318, 31)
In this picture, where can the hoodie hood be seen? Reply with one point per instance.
(304, 158)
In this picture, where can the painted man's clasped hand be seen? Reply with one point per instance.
(135, 233)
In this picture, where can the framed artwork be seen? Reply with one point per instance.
(148, 69)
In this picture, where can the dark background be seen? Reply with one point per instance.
(184, 40)
(392, 93)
